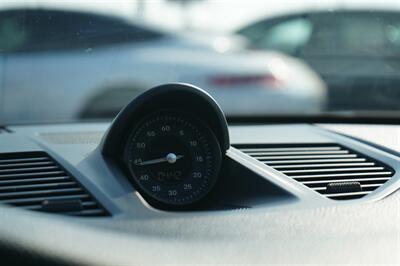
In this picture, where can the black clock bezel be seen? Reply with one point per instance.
(179, 96)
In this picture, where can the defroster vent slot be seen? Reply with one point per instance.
(34, 181)
(329, 169)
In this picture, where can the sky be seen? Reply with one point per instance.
(206, 15)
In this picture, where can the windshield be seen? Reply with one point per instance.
(63, 61)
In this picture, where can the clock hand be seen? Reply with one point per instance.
(170, 158)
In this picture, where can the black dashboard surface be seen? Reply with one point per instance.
(303, 228)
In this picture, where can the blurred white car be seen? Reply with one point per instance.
(84, 65)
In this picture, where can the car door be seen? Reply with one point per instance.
(1, 86)
(14, 37)
(49, 48)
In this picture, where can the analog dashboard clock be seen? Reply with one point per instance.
(173, 157)
(173, 153)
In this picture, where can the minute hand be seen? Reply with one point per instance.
(157, 161)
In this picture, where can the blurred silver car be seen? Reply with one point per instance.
(355, 51)
(65, 65)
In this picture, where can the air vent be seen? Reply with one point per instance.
(34, 181)
(332, 170)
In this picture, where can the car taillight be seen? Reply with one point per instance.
(242, 80)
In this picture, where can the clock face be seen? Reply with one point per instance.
(173, 158)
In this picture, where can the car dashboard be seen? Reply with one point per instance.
(285, 194)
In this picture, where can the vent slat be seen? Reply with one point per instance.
(28, 170)
(383, 173)
(95, 212)
(375, 179)
(289, 166)
(327, 148)
(305, 157)
(34, 181)
(256, 154)
(24, 165)
(37, 186)
(29, 194)
(41, 199)
(320, 167)
(85, 204)
(335, 195)
(364, 187)
(31, 175)
(24, 160)
(356, 169)
(313, 161)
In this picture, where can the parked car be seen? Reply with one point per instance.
(356, 52)
(66, 65)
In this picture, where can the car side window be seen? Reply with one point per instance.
(288, 36)
(354, 35)
(43, 30)
(392, 32)
(13, 35)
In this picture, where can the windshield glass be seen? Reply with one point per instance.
(63, 61)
